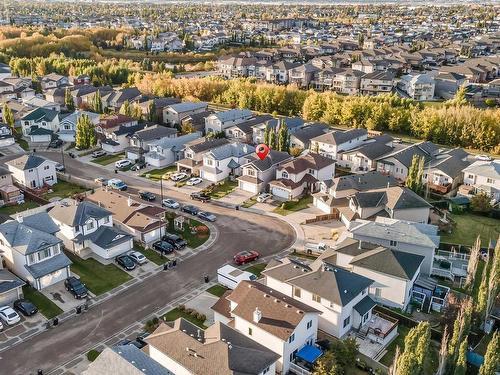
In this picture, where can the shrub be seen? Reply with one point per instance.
(194, 313)
(92, 355)
(182, 307)
(188, 311)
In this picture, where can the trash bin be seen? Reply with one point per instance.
(55, 321)
(39, 372)
(116, 171)
(174, 263)
(237, 208)
(78, 309)
(206, 278)
(165, 266)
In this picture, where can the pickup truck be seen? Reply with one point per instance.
(317, 248)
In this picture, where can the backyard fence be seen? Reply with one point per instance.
(333, 216)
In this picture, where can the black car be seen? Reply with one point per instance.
(55, 143)
(126, 262)
(147, 196)
(192, 210)
(175, 240)
(76, 287)
(139, 165)
(25, 307)
(202, 197)
(140, 339)
(163, 247)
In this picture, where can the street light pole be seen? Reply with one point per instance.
(161, 188)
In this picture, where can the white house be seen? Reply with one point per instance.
(363, 158)
(418, 86)
(67, 125)
(195, 150)
(330, 144)
(484, 176)
(168, 150)
(220, 121)
(40, 124)
(37, 102)
(118, 140)
(33, 171)
(173, 114)
(6, 137)
(225, 161)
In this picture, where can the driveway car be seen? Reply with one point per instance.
(98, 153)
(125, 262)
(76, 287)
(124, 163)
(192, 210)
(245, 256)
(137, 257)
(25, 307)
(9, 316)
(263, 197)
(55, 143)
(59, 167)
(163, 247)
(139, 165)
(117, 184)
(101, 181)
(178, 176)
(147, 196)
(194, 181)
(207, 216)
(176, 241)
(202, 197)
(170, 203)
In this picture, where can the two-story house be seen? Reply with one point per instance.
(333, 143)
(109, 123)
(6, 137)
(67, 126)
(301, 138)
(118, 140)
(53, 80)
(364, 157)
(244, 131)
(220, 121)
(484, 176)
(194, 152)
(445, 172)
(225, 161)
(301, 175)
(9, 193)
(168, 150)
(292, 123)
(113, 100)
(40, 124)
(418, 86)
(85, 228)
(173, 114)
(151, 134)
(32, 251)
(32, 171)
(377, 82)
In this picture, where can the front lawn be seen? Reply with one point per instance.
(286, 208)
(10, 210)
(256, 269)
(23, 143)
(193, 239)
(48, 308)
(152, 255)
(177, 313)
(156, 174)
(468, 226)
(217, 290)
(64, 189)
(249, 202)
(221, 190)
(108, 159)
(98, 278)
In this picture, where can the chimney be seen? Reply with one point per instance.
(257, 315)
(129, 201)
(19, 218)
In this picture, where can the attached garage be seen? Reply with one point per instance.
(49, 271)
(280, 193)
(10, 287)
(41, 135)
(247, 186)
(53, 278)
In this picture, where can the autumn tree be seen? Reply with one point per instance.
(481, 203)
(443, 353)
(327, 364)
(97, 103)
(283, 138)
(461, 329)
(68, 100)
(416, 346)
(492, 357)
(85, 136)
(472, 265)
(126, 109)
(152, 115)
(8, 118)
(461, 365)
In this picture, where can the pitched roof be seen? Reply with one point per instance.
(187, 106)
(48, 266)
(395, 198)
(79, 213)
(405, 156)
(274, 157)
(26, 162)
(204, 144)
(9, 281)
(232, 114)
(24, 239)
(40, 114)
(363, 181)
(339, 137)
(154, 133)
(306, 162)
(108, 237)
(490, 169)
(309, 132)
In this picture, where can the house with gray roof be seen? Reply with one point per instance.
(173, 114)
(333, 143)
(168, 150)
(151, 134)
(301, 138)
(32, 253)
(115, 99)
(445, 172)
(195, 150)
(67, 127)
(220, 121)
(40, 124)
(364, 157)
(33, 171)
(484, 176)
(10, 286)
(87, 229)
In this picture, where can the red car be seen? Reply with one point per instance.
(245, 256)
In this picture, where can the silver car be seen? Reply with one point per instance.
(138, 257)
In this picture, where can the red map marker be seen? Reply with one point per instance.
(262, 151)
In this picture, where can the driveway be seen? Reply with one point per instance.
(203, 304)
(238, 196)
(58, 294)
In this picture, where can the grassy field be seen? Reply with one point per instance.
(64, 189)
(469, 226)
(176, 313)
(217, 290)
(156, 174)
(221, 190)
(256, 269)
(10, 210)
(152, 255)
(98, 278)
(193, 240)
(108, 159)
(286, 208)
(48, 308)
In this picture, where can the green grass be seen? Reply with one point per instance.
(249, 202)
(23, 143)
(289, 207)
(468, 226)
(221, 190)
(483, 344)
(10, 210)
(193, 240)
(98, 278)
(64, 189)
(108, 159)
(48, 308)
(256, 269)
(156, 174)
(217, 290)
(176, 313)
(152, 255)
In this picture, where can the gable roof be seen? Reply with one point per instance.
(232, 114)
(405, 156)
(489, 169)
(339, 137)
(40, 114)
(9, 281)
(395, 198)
(79, 213)
(187, 106)
(26, 162)
(309, 132)
(274, 157)
(204, 144)
(24, 239)
(363, 181)
(156, 132)
(306, 162)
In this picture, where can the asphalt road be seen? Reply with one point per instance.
(237, 231)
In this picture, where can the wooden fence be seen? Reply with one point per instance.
(333, 216)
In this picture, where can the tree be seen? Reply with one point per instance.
(472, 266)
(272, 140)
(266, 135)
(492, 357)
(490, 285)
(8, 118)
(416, 346)
(295, 151)
(414, 179)
(461, 328)
(126, 109)
(443, 352)
(187, 128)
(68, 100)
(460, 97)
(152, 116)
(481, 203)
(136, 111)
(461, 366)
(97, 102)
(327, 365)
(85, 136)
(283, 138)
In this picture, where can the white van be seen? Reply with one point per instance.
(123, 163)
(230, 276)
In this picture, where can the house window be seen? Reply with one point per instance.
(43, 254)
(291, 338)
(316, 298)
(266, 370)
(365, 317)
(30, 170)
(309, 324)
(32, 258)
(56, 250)
(106, 220)
(250, 331)
(296, 292)
(393, 243)
(250, 172)
(90, 225)
(489, 180)
(471, 176)
(284, 175)
(210, 162)
(46, 167)
(347, 321)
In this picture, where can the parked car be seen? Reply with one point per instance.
(124, 163)
(316, 248)
(101, 181)
(56, 143)
(170, 203)
(137, 257)
(192, 210)
(125, 262)
(60, 168)
(483, 157)
(116, 183)
(25, 307)
(194, 181)
(163, 247)
(263, 197)
(139, 165)
(207, 216)
(147, 196)
(245, 256)
(176, 241)
(178, 176)
(98, 153)
(198, 196)
(76, 287)
(9, 316)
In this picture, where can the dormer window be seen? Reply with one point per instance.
(284, 174)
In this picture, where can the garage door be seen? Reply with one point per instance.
(8, 297)
(53, 278)
(280, 193)
(247, 186)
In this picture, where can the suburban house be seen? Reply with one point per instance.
(244, 131)
(220, 121)
(151, 134)
(194, 152)
(115, 99)
(185, 349)
(484, 176)
(258, 130)
(53, 80)
(109, 123)
(40, 124)
(173, 114)
(301, 176)
(10, 286)
(445, 172)
(196, 121)
(32, 251)
(364, 157)
(271, 318)
(117, 140)
(224, 161)
(168, 150)
(87, 228)
(301, 138)
(67, 126)
(335, 142)
(257, 173)
(377, 82)
(9, 193)
(418, 86)
(158, 104)
(6, 137)
(410, 237)
(143, 221)
(36, 102)
(32, 171)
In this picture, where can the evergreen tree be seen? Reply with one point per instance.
(126, 109)
(492, 357)
(91, 130)
(422, 346)
(152, 117)
(414, 178)
(97, 102)
(272, 140)
(416, 346)
(68, 100)
(328, 365)
(8, 118)
(266, 135)
(85, 136)
(461, 366)
(283, 138)
(136, 111)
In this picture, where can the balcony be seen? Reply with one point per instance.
(441, 189)
(449, 264)
(376, 334)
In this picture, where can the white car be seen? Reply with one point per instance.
(138, 257)
(263, 197)
(98, 153)
(170, 203)
(483, 157)
(194, 181)
(178, 176)
(123, 163)
(9, 316)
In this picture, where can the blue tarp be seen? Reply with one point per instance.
(309, 353)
